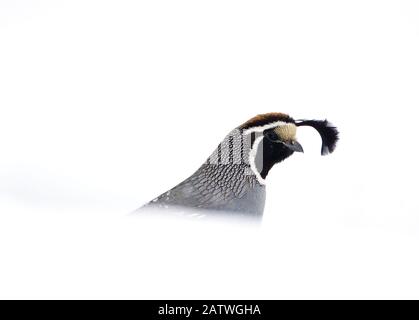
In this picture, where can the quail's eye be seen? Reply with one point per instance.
(272, 136)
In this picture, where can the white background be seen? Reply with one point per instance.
(104, 105)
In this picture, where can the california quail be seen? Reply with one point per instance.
(232, 180)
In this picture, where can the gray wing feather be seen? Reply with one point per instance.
(216, 187)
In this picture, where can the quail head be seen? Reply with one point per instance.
(232, 180)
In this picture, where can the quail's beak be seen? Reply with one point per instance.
(294, 146)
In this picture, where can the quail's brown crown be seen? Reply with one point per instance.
(266, 118)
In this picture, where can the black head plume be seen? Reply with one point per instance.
(328, 133)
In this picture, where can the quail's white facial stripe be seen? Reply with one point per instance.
(252, 160)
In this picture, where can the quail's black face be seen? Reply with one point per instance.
(276, 148)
